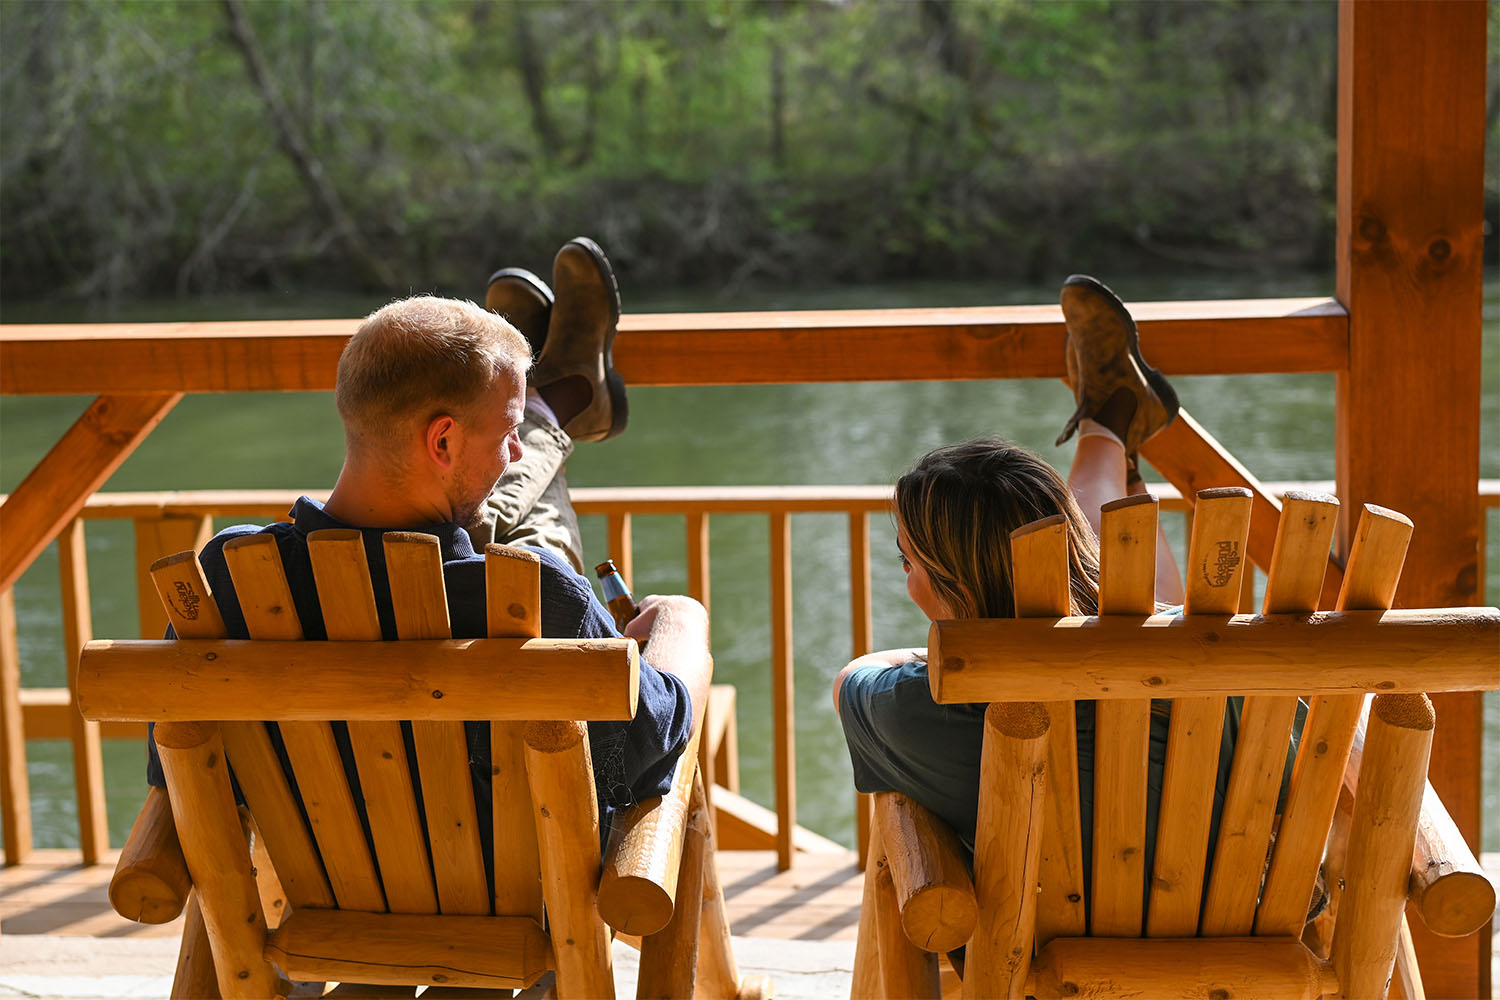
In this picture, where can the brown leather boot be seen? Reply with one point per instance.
(524, 300)
(1111, 381)
(575, 372)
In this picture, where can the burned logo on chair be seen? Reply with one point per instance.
(1218, 568)
(187, 600)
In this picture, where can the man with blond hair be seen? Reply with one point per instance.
(433, 397)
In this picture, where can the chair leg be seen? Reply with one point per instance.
(906, 970)
(195, 978)
(669, 958)
(866, 981)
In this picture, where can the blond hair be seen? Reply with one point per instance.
(957, 507)
(421, 357)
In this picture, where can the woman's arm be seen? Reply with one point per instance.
(884, 658)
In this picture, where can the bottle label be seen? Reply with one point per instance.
(614, 586)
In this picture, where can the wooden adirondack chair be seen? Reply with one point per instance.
(1232, 924)
(418, 910)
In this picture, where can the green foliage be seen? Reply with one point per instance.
(700, 140)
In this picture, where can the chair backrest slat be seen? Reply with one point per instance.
(1215, 566)
(1293, 584)
(1370, 579)
(347, 600)
(1039, 560)
(513, 586)
(194, 614)
(266, 602)
(415, 565)
(1122, 729)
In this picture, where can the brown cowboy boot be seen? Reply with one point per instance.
(1111, 381)
(575, 372)
(524, 300)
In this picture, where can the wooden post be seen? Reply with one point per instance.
(669, 957)
(15, 788)
(783, 691)
(151, 882)
(865, 982)
(195, 978)
(862, 637)
(88, 756)
(1409, 269)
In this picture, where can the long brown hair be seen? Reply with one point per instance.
(957, 507)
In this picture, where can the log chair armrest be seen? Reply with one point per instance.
(638, 889)
(930, 874)
(1452, 894)
(151, 880)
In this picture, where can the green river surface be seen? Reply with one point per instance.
(1280, 426)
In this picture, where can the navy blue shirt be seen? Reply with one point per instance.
(632, 760)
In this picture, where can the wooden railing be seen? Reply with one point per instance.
(167, 522)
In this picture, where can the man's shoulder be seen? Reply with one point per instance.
(215, 548)
(568, 606)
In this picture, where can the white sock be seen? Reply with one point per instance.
(538, 406)
(1088, 427)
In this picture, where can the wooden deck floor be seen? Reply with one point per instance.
(818, 900)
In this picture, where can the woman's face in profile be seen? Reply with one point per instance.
(918, 585)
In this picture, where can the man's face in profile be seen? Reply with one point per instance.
(490, 442)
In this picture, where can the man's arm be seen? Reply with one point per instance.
(675, 628)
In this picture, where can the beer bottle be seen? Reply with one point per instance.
(616, 594)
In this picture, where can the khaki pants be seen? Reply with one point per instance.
(530, 505)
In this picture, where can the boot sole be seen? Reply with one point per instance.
(536, 285)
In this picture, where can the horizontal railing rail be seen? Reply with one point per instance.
(1218, 337)
(173, 520)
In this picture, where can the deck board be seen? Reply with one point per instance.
(818, 900)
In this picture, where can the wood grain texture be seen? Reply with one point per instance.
(157, 537)
(905, 969)
(934, 893)
(1370, 581)
(15, 784)
(421, 612)
(1192, 460)
(567, 827)
(1039, 560)
(1226, 967)
(84, 457)
(347, 600)
(151, 881)
(513, 580)
(1122, 734)
(669, 956)
(1008, 849)
(1215, 568)
(266, 602)
(408, 949)
(1382, 835)
(192, 757)
(88, 753)
(1330, 652)
(1410, 228)
(1182, 338)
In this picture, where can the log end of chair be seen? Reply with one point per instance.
(634, 904)
(146, 896)
(940, 918)
(1457, 904)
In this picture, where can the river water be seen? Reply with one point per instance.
(1280, 426)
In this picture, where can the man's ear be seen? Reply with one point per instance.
(441, 441)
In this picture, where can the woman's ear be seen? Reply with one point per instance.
(441, 441)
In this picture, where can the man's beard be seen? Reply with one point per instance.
(468, 512)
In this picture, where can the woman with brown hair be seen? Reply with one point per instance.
(954, 513)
